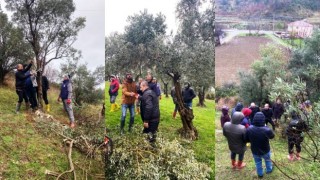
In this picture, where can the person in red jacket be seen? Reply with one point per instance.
(113, 93)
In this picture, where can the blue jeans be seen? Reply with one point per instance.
(124, 108)
(258, 161)
(189, 105)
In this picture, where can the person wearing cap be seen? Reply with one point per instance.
(188, 95)
(246, 121)
(235, 134)
(129, 91)
(225, 115)
(113, 93)
(66, 96)
(21, 77)
(258, 135)
(294, 133)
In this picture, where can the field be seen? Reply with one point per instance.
(27, 150)
(236, 56)
(296, 169)
(203, 121)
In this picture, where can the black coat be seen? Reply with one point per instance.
(188, 94)
(21, 78)
(278, 110)
(254, 111)
(45, 83)
(149, 106)
(268, 113)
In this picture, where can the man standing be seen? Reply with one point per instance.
(45, 88)
(267, 112)
(254, 110)
(158, 87)
(113, 93)
(66, 95)
(140, 93)
(188, 95)
(129, 91)
(31, 90)
(278, 110)
(151, 85)
(150, 112)
(21, 84)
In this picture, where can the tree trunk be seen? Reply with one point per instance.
(2, 75)
(40, 66)
(166, 89)
(188, 131)
(201, 96)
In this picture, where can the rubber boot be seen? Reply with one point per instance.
(174, 115)
(117, 107)
(18, 106)
(290, 157)
(298, 157)
(112, 107)
(240, 165)
(233, 163)
(48, 107)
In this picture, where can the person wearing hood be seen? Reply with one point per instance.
(246, 121)
(237, 108)
(113, 93)
(21, 77)
(188, 95)
(258, 135)
(225, 115)
(66, 97)
(294, 134)
(235, 134)
(268, 113)
(129, 91)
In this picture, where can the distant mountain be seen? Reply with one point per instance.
(277, 9)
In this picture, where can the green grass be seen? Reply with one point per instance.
(297, 169)
(25, 153)
(203, 121)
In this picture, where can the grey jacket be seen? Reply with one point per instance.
(235, 133)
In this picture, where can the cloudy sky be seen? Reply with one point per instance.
(91, 38)
(117, 12)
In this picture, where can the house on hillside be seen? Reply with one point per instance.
(300, 29)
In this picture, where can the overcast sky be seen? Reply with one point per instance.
(117, 12)
(91, 38)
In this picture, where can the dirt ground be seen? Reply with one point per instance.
(236, 56)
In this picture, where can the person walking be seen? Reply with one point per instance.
(258, 135)
(294, 133)
(188, 95)
(129, 91)
(113, 93)
(268, 113)
(235, 134)
(150, 112)
(20, 85)
(66, 97)
(175, 102)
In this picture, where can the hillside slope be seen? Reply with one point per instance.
(29, 148)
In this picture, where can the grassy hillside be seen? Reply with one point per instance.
(28, 149)
(203, 121)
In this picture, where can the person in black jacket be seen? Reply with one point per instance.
(278, 110)
(188, 95)
(21, 77)
(268, 113)
(45, 88)
(254, 110)
(258, 135)
(294, 133)
(151, 85)
(150, 112)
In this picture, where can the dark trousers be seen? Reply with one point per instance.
(22, 95)
(152, 129)
(45, 96)
(32, 95)
(294, 141)
(271, 122)
(233, 156)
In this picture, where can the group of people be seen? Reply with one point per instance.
(27, 90)
(143, 97)
(250, 125)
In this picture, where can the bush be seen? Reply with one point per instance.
(210, 95)
(135, 158)
(227, 90)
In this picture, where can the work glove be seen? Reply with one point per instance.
(68, 101)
